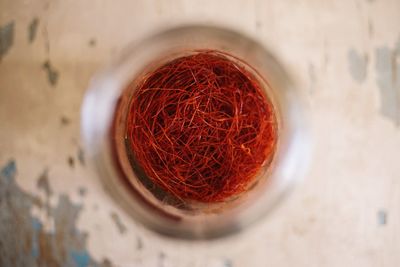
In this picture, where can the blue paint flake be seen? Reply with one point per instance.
(6, 38)
(9, 171)
(357, 65)
(382, 217)
(37, 227)
(81, 258)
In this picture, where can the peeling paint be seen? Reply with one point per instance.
(32, 29)
(382, 217)
(71, 161)
(357, 65)
(17, 225)
(43, 183)
(65, 120)
(161, 259)
(388, 80)
(81, 258)
(82, 191)
(52, 74)
(92, 42)
(117, 220)
(23, 240)
(106, 263)
(9, 170)
(6, 38)
(228, 263)
(370, 28)
(37, 227)
(139, 243)
(81, 156)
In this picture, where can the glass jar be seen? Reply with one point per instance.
(103, 125)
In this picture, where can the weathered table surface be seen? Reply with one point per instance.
(344, 54)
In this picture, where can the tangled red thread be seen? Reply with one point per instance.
(201, 127)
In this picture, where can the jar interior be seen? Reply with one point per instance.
(157, 195)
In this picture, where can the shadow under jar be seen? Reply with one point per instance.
(107, 125)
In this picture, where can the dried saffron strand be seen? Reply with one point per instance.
(200, 127)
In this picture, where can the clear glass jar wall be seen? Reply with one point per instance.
(104, 120)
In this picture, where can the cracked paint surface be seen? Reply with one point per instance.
(32, 29)
(23, 240)
(52, 74)
(6, 38)
(388, 80)
(357, 65)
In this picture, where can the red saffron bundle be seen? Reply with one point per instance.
(201, 127)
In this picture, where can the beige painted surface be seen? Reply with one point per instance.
(332, 219)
